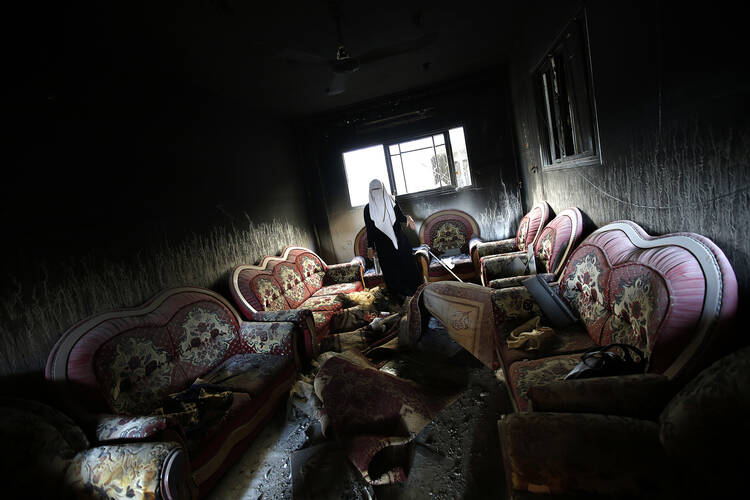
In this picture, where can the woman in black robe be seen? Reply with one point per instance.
(387, 242)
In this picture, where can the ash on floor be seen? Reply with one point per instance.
(456, 456)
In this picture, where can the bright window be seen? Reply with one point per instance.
(414, 165)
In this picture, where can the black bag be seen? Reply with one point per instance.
(602, 361)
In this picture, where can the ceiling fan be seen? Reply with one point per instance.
(345, 64)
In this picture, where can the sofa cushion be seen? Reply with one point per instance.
(288, 276)
(339, 288)
(268, 292)
(268, 337)
(311, 268)
(322, 303)
(249, 373)
(524, 374)
(573, 339)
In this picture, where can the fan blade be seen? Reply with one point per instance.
(338, 83)
(398, 48)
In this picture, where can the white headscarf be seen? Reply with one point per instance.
(381, 209)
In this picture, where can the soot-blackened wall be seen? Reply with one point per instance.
(671, 90)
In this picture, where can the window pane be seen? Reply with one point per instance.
(362, 166)
(418, 144)
(393, 149)
(439, 139)
(440, 168)
(421, 170)
(398, 174)
(460, 157)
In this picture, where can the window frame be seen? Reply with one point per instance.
(553, 131)
(394, 141)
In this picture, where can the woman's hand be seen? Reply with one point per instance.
(410, 222)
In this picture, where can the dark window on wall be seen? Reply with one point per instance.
(567, 112)
(413, 166)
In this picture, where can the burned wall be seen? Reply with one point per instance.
(671, 95)
(478, 103)
(123, 178)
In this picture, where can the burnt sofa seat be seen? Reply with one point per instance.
(680, 452)
(672, 296)
(372, 277)
(550, 251)
(449, 234)
(296, 286)
(51, 457)
(529, 228)
(133, 375)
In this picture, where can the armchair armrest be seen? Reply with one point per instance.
(344, 273)
(641, 396)
(119, 427)
(305, 327)
(132, 471)
(486, 248)
(505, 265)
(579, 453)
(517, 280)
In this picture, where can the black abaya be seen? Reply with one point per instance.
(399, 266)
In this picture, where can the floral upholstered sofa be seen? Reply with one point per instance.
(53, 458)
(448, 234)
(528, 229)
(182, 368)
(671, 296)
(550, 251)
(296, 286)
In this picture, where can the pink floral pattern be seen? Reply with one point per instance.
(322, 303)
(583, 288)
(114, 427)
(525, 374)
(291, 283)
(544, 251)
(268, 338)
(206, 337)
(138, 374)
(269, 294)
(312, 272)
(340, 288)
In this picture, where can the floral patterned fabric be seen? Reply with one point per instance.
(524, 374)
(544, 251)
(250, 373)
(204, 336)
(343, 273)
(120, 472)
(514, 304)
(639, 300)
(582, 285)
(269, 293)
(115, 427)
(322, 303)
(449, 235)
(504, 266)
(268, 338)
(292, 286)
(340, 288)
(312, 271)
(135, 370)
(496, 247)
